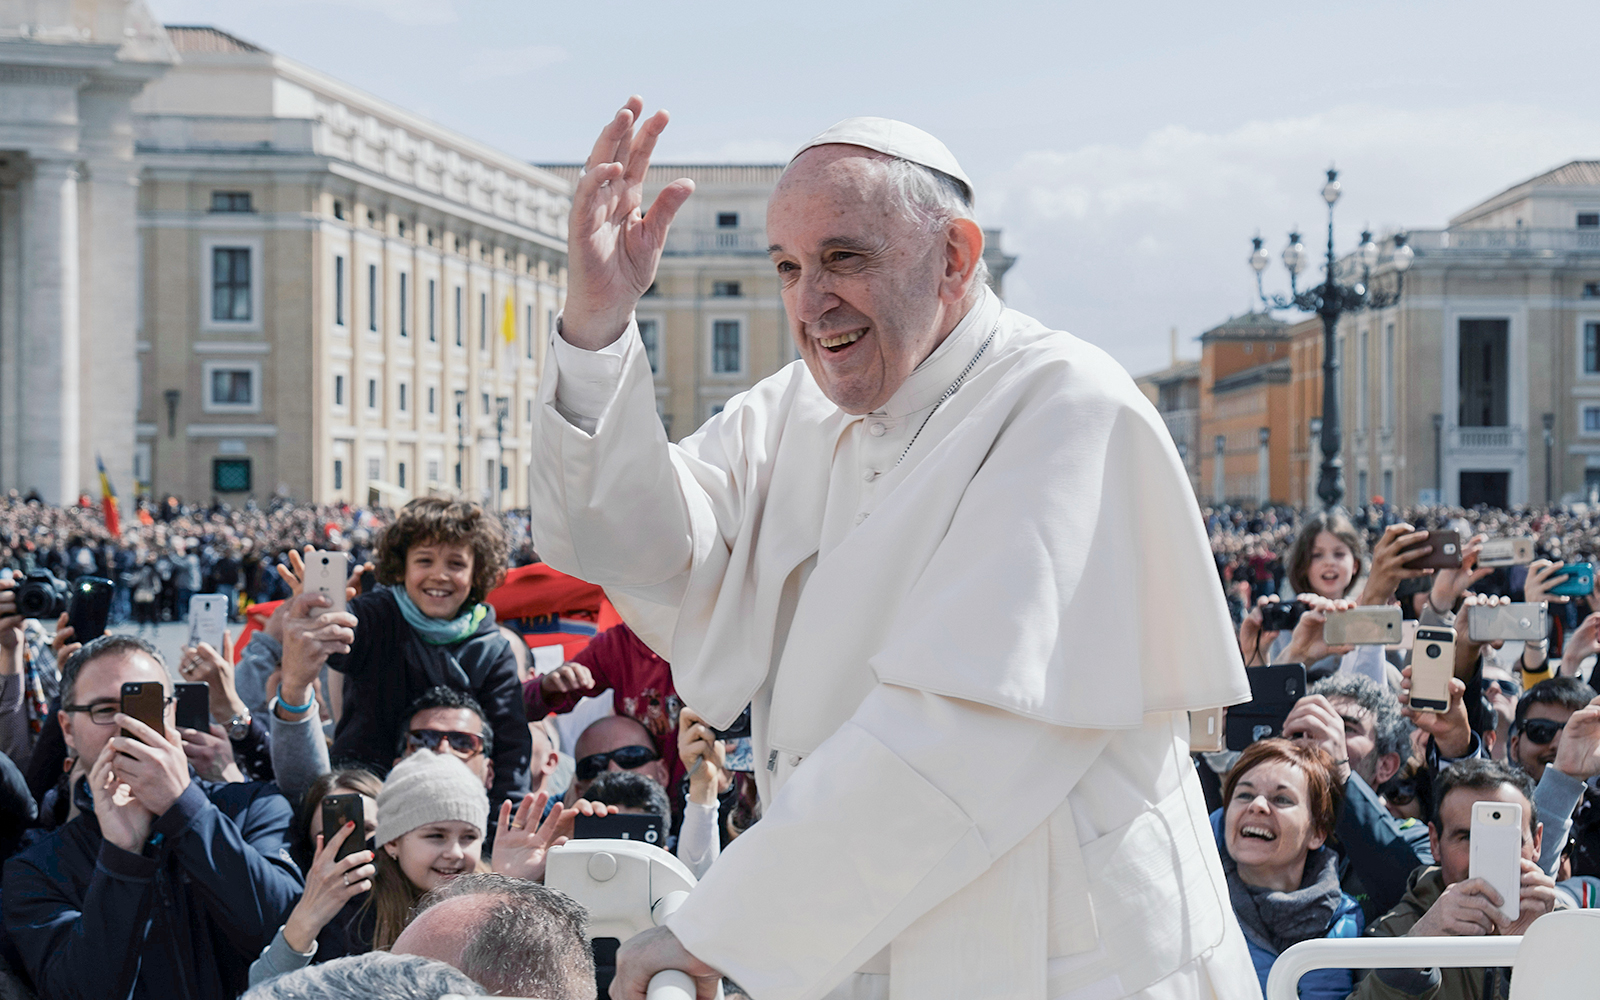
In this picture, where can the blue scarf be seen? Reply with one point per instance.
(438, 631)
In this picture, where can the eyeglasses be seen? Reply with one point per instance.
(1507, 688)
(627, 758)
(463, 745)
(1540, 731)
(105, 713)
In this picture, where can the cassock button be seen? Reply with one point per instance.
(877, 430)
(861, 517)
(870, 475)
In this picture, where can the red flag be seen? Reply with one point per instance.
(108, 501)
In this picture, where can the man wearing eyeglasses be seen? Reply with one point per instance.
(615, 743)
(1561, 755)
(445, 720)
(161, 884)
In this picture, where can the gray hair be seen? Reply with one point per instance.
(932, 199)
(531, 942)
(1391, 733)
(374, 974)
(105, 645)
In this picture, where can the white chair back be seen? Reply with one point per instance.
(1559, 957)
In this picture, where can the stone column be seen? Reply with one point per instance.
(108, 373)
(49, 348)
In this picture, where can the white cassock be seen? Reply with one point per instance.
(969, 640)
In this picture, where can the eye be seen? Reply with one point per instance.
(786, 267)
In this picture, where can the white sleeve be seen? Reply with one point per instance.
(912, 799)
(698, 843)
(586, 380)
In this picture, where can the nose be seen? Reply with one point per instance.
(813, 299)
(455, 850)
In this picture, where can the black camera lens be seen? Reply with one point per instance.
(1433, 649)
(41, 596)
(1495, 815)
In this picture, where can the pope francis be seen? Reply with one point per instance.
(950, 558)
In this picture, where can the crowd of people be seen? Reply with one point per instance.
(212, 844)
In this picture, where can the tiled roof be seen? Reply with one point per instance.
(1250, 326)
(204, 38)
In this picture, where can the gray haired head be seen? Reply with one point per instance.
(375, 974)
(1391, 732)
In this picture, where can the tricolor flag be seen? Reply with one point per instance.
(508, 325)
(108, 501)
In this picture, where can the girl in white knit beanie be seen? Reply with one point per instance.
(432, 814)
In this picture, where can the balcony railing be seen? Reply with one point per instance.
(1520, 240)
(1486, 438)
(716, 241)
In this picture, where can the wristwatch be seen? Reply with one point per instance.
(239, 727)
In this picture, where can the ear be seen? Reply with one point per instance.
(65, 719)
(1491, 742)
(1316, 841)
(392, 851)
(1433, 840)
(963, 249)
(1538, 839)
(488, 774)
(1388, 767)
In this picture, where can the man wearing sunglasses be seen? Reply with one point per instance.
(615, 743)
(1561, 754)
(445, 720)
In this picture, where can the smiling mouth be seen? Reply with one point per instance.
(839, 343)
(447, 872)
(1257, 833)
(440, 594)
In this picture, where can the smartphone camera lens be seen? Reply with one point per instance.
(1495, 815)
(1433, 649)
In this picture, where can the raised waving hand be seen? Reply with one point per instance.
(613, 245)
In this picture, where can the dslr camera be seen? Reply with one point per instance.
(41, 595)
(1281, 616)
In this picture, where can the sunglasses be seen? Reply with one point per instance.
(1540, 731)
(627, 758)
(463, 745)
(1507, 688)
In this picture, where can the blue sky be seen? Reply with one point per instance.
(1129, 151)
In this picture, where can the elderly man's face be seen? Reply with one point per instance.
(861, 282)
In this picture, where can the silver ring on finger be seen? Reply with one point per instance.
(346, 879)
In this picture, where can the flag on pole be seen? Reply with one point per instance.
(108, 501)
(508, 324)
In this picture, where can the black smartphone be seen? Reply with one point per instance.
(337, 810)
(147, 702)
(1281, 616)
(194, 705)
(621, 826)
(1273, 692)
(738, 730)
(90, 607)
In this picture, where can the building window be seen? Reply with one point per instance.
(338, 390)
(372, 394)
(483, 321)
(1589, 220)
(230, 284)
(725, 289)
(650, 333)
(430, 399)
(1591, 348)
(338, 290)
(528, 323)
(1361, 390)
(433, 470)
(727, 220)
(230, 201)
(528, 403)
(432, 307)
(550, 322)
(400, 474)
(1591, 290)
(232, 387)
(374, 468)
(230, 475)
(405, 312)
(338, 209)
(505, 477)
(1388, 387)
(1591, 419)
(725, 358)
(372, 297)
(485, 404)
(401, 399)
(338, 470)
(458, 316)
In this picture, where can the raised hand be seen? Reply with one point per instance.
(1537, 897)
(569, 677)
(612, 246)
(310, 636)
(1315, 721)
(294, 575)
(152, 765)
(1451, 731)
(211, 753)
(1450, 584)
(697, 744)
(522, 843)
(330, 884)
(1391, 562)
(124, 820)
(1542, 576)
(1467, 909)
(1578, 756)
(1306, 642)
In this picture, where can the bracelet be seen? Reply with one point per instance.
(294, 709)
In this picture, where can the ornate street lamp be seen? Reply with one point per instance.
(1330, 300)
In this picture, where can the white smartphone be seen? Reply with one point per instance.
(1377, 626)
(1506, 552)
(1205, 730)
(326, 574)
(1408, 635)
(1433, 663)
(208, 619)
(1496, 855)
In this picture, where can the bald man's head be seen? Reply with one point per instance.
(616, 743)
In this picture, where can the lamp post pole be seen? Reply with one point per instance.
(461, 439)
(1330, 300)
(1549, 456)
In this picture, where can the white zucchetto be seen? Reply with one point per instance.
(892, 138)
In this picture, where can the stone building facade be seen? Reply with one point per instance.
(1244, 402)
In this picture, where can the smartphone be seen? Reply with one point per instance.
(1366, 626)
(194, 705)
(1408, 635)
(1446, 552)
(208, 620)
(1273, 692)
(1506, 552)
(1205, 730)
(1579, 580)
(90, 607)
(145, 701)
(1433, 663)
(621, 826)
(1508, 621)
(1281, 616)
(738, 729)
(1496, 852)
(337, 810)
(326, 574)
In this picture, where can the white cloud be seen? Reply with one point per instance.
(1119, 243)
(408, 12)
(517, 60)
(733, 151)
